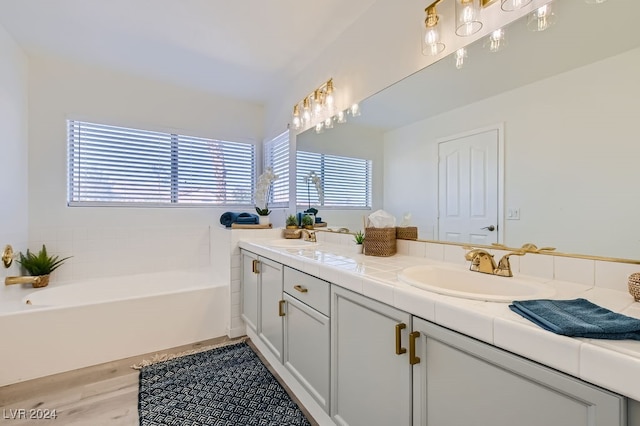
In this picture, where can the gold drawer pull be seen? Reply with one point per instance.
(300, 288)
(281, 308)
(399, 349)
(254, 266)
(413, 359)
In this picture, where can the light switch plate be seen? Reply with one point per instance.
(513, 213)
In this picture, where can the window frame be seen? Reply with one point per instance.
(73, 170)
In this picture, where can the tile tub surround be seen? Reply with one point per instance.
(610, 364)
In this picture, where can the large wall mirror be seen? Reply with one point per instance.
(567, 103)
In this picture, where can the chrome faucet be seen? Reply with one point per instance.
(483, 261)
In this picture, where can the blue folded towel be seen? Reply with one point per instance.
(578, 318)
(229, 218)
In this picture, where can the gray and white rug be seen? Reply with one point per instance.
(226, 386)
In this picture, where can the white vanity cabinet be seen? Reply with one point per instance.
(306, 333)
(249, 289)
(370, 371)
(461, 381)
(262, 304)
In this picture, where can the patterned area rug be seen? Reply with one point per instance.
(226, 386)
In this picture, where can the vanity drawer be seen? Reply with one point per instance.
(310, 290)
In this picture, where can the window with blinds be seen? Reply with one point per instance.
(276, 156)
(111, 165)
(346, 182)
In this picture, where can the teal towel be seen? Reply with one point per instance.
(578, 318)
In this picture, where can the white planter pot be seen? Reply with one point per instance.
(263, 220)
(357, 248)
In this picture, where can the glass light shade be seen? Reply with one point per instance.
(595, 1)
(341, 117)
(511, 5)
(496, 40)
(432, 45)
(541, 18)
(467, 17)
(355, 110)
(296, 122)
(328, 123)
(319, 128)
(460, 56)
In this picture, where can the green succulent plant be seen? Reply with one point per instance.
(292, 220)
(40, 264)
(307, 220)
(359, 237)
(263, 212)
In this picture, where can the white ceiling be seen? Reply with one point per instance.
(245, 49)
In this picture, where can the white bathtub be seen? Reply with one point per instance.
(73, 325)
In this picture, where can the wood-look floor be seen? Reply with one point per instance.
(105, 394)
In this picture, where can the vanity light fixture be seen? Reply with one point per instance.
(432, 44)
(541, 18)
(496, 40)
(318, 110)
(511, 5)
(461, 55)
(467, 17)
(315, 107)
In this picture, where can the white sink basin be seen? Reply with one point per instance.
(474, 285)
(292, 243)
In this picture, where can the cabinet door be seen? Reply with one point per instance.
(498, 388)
(370, 383)
(249, 279)
(306, 348)
(270, 328)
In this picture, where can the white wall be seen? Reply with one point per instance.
(13, 157)
(349, 140)
(570, 154)
(112, 241)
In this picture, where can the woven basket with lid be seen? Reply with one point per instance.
(634, 285)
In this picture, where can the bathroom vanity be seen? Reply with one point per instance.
(360, 348)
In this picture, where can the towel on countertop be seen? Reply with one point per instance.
(229, 218)
(578, 318)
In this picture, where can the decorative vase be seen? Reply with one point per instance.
(358, 249)
(263, 220)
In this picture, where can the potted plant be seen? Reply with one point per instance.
(291, 222)
(358, 237)
(263, 193)
(263, 215)
(40, 265)
(307, 221)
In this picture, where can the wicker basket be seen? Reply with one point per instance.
(634, 285)
(380, 241)
(407, 232)
(291, 234)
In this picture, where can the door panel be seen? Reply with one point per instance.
(468, 188)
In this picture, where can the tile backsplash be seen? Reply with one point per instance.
(100, 252)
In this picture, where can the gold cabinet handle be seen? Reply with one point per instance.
(399, 349)
(254, 266)
(281, 308)
(300, 288)
(413, 359)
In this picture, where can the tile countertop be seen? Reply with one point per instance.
(611, 364)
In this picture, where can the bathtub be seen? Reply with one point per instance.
(67, 326)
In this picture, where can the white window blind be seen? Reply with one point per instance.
(276, 156)
(111, 165)
(346, 182)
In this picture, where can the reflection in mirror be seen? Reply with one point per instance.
(566, 101)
